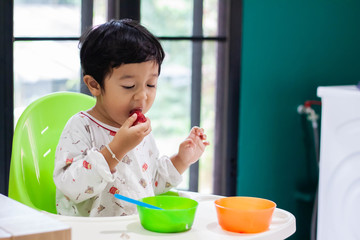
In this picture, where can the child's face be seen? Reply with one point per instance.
(128, 87)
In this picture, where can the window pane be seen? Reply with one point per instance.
(207, 118)
(100, 12)
(167, 18)
(47, 18)
(170, 114)
(210, 18)
(43, 67)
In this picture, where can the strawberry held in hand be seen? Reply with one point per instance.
(140, 116)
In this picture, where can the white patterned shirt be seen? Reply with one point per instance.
(84, 184)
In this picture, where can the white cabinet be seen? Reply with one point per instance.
(339, 178)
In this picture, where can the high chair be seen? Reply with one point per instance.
(35, 140)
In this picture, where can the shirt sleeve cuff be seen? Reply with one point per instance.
(166, 167)
(100, 164)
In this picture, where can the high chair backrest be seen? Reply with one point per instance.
(35, 140)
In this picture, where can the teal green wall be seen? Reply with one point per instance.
(289, 48)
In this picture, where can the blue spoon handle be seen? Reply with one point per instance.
(130, 200)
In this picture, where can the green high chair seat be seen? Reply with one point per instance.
(35, 140)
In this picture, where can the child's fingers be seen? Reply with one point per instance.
(201, 140)
(200, 133)
(197, 135)
(196, 132)
(203, 136)
(148, 124)
(130, 121)
(206, 143)
(142, 128)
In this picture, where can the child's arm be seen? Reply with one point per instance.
(80, 170)
(126, 138)
(168, 171)
(190, 149)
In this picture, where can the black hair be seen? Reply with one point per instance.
(114, 43)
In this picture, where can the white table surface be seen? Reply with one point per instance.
(205, 225)
(18, 221)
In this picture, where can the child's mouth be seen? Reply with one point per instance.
(135, 110)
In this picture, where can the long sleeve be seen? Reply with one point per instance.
(165, 175)
(81, 172)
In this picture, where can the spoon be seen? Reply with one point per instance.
(130, 200)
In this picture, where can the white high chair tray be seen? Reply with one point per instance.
(205, 225)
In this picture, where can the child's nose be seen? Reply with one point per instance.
(140, 94)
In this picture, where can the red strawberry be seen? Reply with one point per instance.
(140, 116)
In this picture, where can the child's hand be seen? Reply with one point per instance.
(190, 149)
(129, 136)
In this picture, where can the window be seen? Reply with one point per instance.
(46, 59)
(185, 74)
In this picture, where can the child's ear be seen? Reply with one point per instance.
(93, 85)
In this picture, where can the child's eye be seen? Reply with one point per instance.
(128, 87)
(151, 85)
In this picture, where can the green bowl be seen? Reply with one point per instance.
(177, 215)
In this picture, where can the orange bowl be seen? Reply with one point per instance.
(244, 214)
